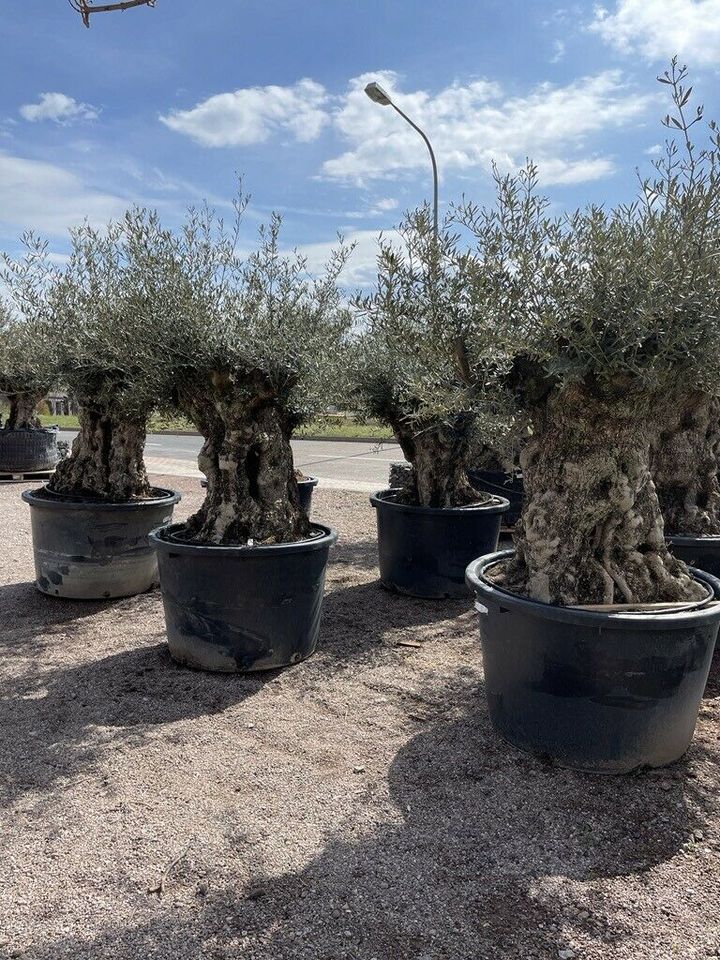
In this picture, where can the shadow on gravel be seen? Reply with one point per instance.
(358, 618)
(472, 862)
(25, 613)
(48, 719)
(356, 553)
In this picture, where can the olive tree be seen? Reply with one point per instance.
(618, 333)
(258, 350)
(417, 371)
(105, 299)
(27, 369)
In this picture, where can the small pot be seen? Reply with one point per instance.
(85, 550)
(499, 483)
(700, 552)
(236, 609)
(423, 551)
(600, 692)
(305, 489)
(28, 451)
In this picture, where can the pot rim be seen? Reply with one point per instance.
(484, 590)
(496, 504)
(684, 540)
(240, 550)
(53, 502)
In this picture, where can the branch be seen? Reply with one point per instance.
(84, 8)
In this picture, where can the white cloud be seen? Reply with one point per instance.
(659, 29)
(58, 107)
(252, 114)
(473, 124)
(48, 198)
(558, 51)
(361, 269)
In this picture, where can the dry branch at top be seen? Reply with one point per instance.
(84, 8)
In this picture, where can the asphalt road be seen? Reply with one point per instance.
(343, 466)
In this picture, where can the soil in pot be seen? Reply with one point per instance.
(237, 609)
(608, 691)
(28, 451)
(423, 551)
(90, 550)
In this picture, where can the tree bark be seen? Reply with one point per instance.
(252, 492)
(438, 456)
(685, 469)
(591, 530)
(23, 411)
(106, 461)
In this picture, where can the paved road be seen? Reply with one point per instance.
(343, 466)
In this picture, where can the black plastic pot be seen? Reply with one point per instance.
(86, 550)
(700, 552)
(501, 484)
(28, 451)
(237, 609)
(601, 692)
(423, 551)
(305, 488)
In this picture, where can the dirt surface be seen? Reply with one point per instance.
(355, 806)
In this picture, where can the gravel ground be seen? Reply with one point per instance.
(355, 806)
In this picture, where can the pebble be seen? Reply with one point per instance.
(359, 769)
(566, 954)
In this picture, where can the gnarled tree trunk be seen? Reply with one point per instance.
(685, 468)
(252, 493)
(438, 456)
(106, 461)
(591, 530)
(23, 411)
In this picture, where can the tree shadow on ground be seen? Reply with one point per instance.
(47, 716)
(25, 614)
(356, 553)
(362, 619)
(453, 867)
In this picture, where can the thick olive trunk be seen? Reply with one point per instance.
(438, 456)
(591, 530)
(23, 411)
(106, 461)
(252, 492)
(685, 469)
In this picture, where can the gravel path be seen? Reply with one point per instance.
(355, 806)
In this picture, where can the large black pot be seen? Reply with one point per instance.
(700, 552)
(240, 608)
(501, 484)
(602, 692)
(423, 551)
(86, 550)
(305, 489)
(28, 451)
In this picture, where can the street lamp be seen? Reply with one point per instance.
(378, 95)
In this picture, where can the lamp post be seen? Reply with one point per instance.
(378, 95)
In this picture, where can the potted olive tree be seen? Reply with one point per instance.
(91, 521)
(417, 373)
(27, 372)
(260, 342)
(597, 641)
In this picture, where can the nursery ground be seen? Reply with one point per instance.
(355, 806)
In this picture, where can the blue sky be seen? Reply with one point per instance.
(162, 106)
